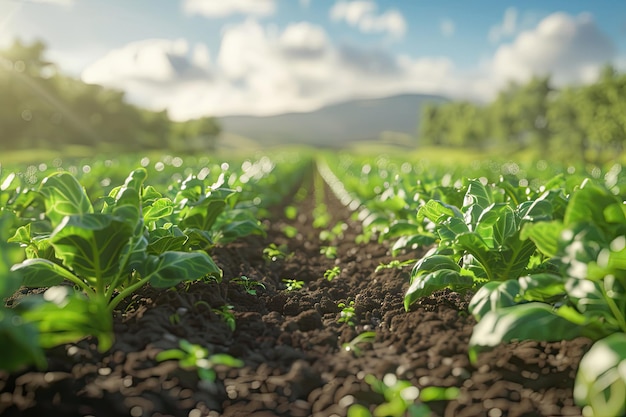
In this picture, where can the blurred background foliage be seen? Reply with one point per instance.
(584, 123)
(42, 108)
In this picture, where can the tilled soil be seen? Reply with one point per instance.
(291, 342)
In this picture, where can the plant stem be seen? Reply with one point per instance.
(126, 292)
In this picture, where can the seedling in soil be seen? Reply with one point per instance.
(395, 264)
(329, 251)
(293, 284)
(274, 252)
(291, 212)
(352, 346)
(193, 356)
(249, 285)
(290, 231)
(401, 398)
(332, 273)
(347, 314)
(226, 311)
(335, 233)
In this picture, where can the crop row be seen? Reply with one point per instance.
(545, 261)
(108, 241)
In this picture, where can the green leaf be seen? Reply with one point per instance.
(534, 321)
(203, 214)
(541, 287)
(425, 285)
(62, 316)
(20, 343)
(64, 196)
(437, 211)
(40, 272)
(545, 235)
(600, 384)
(159, 209)
(494, 296)
(358, 410)
(91, 245)
(175, 267)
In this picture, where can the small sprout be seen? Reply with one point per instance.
(329, 251)
(292, 284)
(248, 284)
(395, 264)
(352, 346)
(227, 313)
(291, 212)
(332, 273)
(290, 231)
(193, 356)
(347, 314)
(273, 252)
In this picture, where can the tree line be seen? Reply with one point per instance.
(583, 122)
(42, 108)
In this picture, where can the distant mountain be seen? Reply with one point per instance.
(335, 125)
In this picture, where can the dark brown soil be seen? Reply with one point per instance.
(291, 343)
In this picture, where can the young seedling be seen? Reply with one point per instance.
(352, 346)
(227, 313)
(332, 273)
(193, 356)
(347, 314)
(329, 251)
(274, 252)
(395, 264)
(249, 285)
(401, 398)
(293, 284)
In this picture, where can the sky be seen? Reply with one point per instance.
(260, 57)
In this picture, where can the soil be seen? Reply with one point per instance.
(291, 341)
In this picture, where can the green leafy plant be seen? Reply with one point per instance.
(332, 273)
(293, 284)
(347, 314)
(584, 296)
(193, 356)
(104, 254)
(479, 243)
(249, 285)
(401, 398)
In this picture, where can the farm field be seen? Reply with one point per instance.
(321, 285)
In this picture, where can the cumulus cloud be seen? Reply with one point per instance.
(223, 8)
(570, 48)
(447, 28)
(363, 15)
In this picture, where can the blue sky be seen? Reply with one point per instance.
(218, 57)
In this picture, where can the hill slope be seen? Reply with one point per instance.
(334, 125)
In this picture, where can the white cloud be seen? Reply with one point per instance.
(447, 28)
(223, 8)
(362, 14)
(507, 28)
(571, 49)
(66, 3)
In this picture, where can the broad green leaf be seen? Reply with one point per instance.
(512, 261)
(159, 209)
(437, 211)
(175, 267)
(494, 296)
(412, 242)
(541, 287)
(232, 231)
(425, 285)
(505, 227)
(40, 272)
(545, 235)
(91, 245)
(64, 196)
(600, 384)
(584, 207)
(536, 211)
(434, 263)
(202, 215)
(534, 321)
(62, 316)
(10, 254)
(20, 343)
(477, 195)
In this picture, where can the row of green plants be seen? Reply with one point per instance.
(91, 251)
(544, 263)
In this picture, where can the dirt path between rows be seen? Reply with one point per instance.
(291, 342)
